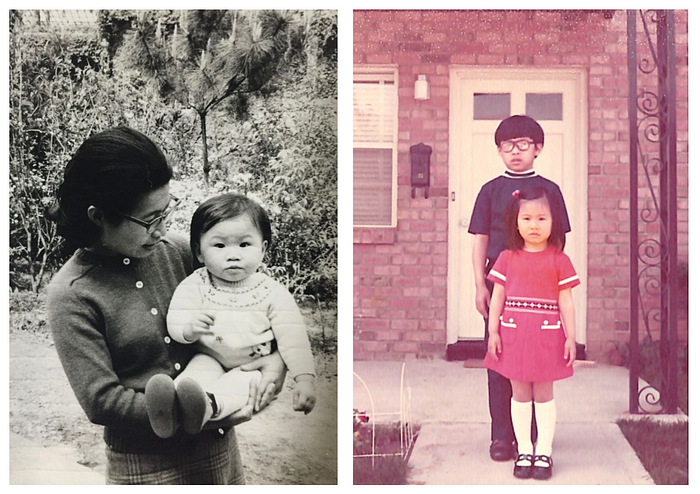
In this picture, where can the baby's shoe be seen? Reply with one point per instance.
(192, 405)
(161, 405)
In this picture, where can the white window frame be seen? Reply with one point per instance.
(380, 74)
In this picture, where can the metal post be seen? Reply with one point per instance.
(668, 193)
(634, 227)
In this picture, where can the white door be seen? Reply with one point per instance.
(479, 99)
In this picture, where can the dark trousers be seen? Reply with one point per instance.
(500, 394)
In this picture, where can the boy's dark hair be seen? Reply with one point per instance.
(111, 170)
(514, 241)
(519, 126)
(225, 207)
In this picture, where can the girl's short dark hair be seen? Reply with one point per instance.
(111, 170)
(514, 241)
(224, 207)
(519, 126)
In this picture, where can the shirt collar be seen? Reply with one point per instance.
(525, 174)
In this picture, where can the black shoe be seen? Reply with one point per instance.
(542, 473)
(523, 471)
(502, 450)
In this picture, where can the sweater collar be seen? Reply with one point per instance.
(84, 256)
(525, 174)
(251, 280)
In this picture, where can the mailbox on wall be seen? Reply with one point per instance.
(420, 168)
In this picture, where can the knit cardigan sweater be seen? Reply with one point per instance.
(107, 317)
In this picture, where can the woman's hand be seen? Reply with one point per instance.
(239, 417)
(273, 374)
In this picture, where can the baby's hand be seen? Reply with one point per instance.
(304, 396)
(200, 325)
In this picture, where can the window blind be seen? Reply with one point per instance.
(375, 127)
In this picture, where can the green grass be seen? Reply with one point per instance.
(661, 447)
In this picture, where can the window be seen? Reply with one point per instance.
(375, 129)
(544, 106)
(491, 106)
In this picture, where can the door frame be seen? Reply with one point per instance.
(577, 213)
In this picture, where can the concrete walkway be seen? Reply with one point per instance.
(449, 403)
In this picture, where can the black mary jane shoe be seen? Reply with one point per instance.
(542, 473)
(523, 471)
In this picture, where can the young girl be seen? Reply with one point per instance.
(531, 322)
(236, 315)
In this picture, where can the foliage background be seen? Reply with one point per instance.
(277, 144)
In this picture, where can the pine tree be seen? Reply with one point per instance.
(201, 58)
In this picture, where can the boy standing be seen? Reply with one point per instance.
(519, 140)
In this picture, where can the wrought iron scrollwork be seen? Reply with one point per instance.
(653, 229)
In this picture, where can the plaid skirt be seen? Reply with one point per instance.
(213, 460)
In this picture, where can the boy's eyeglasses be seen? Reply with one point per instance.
(522, 145)
(152, 226)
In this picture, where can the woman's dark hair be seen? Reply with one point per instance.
(225, 207)
(111, 170)
(514, 241)
(519, 126)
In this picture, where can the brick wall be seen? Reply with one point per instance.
(400, 274)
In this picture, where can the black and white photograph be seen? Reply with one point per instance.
(173, 247)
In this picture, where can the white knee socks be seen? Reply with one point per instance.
(546, 414)
(521, 414)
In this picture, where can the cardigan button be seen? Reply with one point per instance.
(154, 311)
(139, 284)
(221, 431)
(126, 261)
(177, 366)
(167, 339)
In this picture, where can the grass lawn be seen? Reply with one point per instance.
(661, 447)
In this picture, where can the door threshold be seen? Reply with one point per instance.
(466, 349)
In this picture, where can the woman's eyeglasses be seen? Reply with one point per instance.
(165, 216)
(522, 145)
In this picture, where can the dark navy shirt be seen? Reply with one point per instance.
(491, 203)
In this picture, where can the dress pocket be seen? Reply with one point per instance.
(552, 334)
(508, 330)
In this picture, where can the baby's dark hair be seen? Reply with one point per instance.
(519, 126)
(225, 207)
(111, 170)
(514, 241)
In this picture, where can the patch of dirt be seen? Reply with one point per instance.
(279, 446)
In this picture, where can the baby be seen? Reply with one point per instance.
(235, 315)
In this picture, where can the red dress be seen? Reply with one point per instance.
(532, 336)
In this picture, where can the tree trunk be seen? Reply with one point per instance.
(205, 151)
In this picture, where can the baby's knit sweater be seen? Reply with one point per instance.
(255, 310)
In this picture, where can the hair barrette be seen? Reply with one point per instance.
(516, 193)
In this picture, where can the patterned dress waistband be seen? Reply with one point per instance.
(532, 304)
